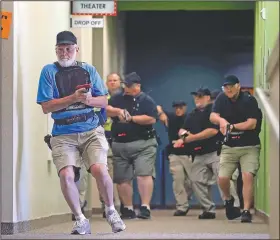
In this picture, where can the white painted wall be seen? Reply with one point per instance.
(36, 185)
(110, 53)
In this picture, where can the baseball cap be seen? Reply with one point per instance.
(131, 78)
(214, 94)
(178, 103)
(66, 37)
(230, 80)
(202, 92)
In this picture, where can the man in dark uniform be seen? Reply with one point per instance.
(202, 136)
(134, 144)
(180, 160)
(236, 176)
(240, 111)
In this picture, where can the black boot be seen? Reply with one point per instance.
(207, 215)
(179, 213)
(128, 213)
(231, 211)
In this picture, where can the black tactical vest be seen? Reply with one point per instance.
(67, 79)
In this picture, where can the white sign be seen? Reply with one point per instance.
(86, 22)
(93, 7)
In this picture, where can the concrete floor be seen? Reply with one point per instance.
(162, 226)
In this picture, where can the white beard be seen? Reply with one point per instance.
(67, 62)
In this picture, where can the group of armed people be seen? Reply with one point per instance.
(108, 132)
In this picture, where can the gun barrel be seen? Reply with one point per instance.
(227, 133)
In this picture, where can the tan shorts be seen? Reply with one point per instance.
(248, 157)
(86, 148)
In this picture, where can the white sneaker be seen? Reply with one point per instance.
(81, 227)
(114, 219)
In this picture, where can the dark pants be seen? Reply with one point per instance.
(240, 187)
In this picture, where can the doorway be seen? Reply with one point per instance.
(175, 52)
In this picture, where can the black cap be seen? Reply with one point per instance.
(230, 80)
(66, 37)
(131, 78)
(202, 92)
(178, 104)
(214, 94)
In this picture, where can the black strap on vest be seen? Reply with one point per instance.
(74, 119)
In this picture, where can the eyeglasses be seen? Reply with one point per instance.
(61, 50)
(228, 87)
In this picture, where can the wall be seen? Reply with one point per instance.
(110, 61)
(182, 5)
(6, 121)
(194, 55)
(241, 65)
(266, 32)
(273, 78)
(36, 184)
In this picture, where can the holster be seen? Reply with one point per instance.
(47, 140)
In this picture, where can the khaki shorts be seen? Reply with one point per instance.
(248, 157)
(86, 148)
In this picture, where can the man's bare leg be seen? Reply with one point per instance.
(70, 191)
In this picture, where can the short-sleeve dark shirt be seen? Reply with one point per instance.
(238, 111)
(142, 104)
(174, 125)
(196, 122)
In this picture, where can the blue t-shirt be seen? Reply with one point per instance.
(47, 90)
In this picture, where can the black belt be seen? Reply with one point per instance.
(74, 119)
(130, 139)
(124, 137)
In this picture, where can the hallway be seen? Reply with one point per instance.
(162, 226)
(173, 57)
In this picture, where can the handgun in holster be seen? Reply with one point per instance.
(47, 140)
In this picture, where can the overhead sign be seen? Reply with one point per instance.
(94, 8)
(86, 22)
(6, 22)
